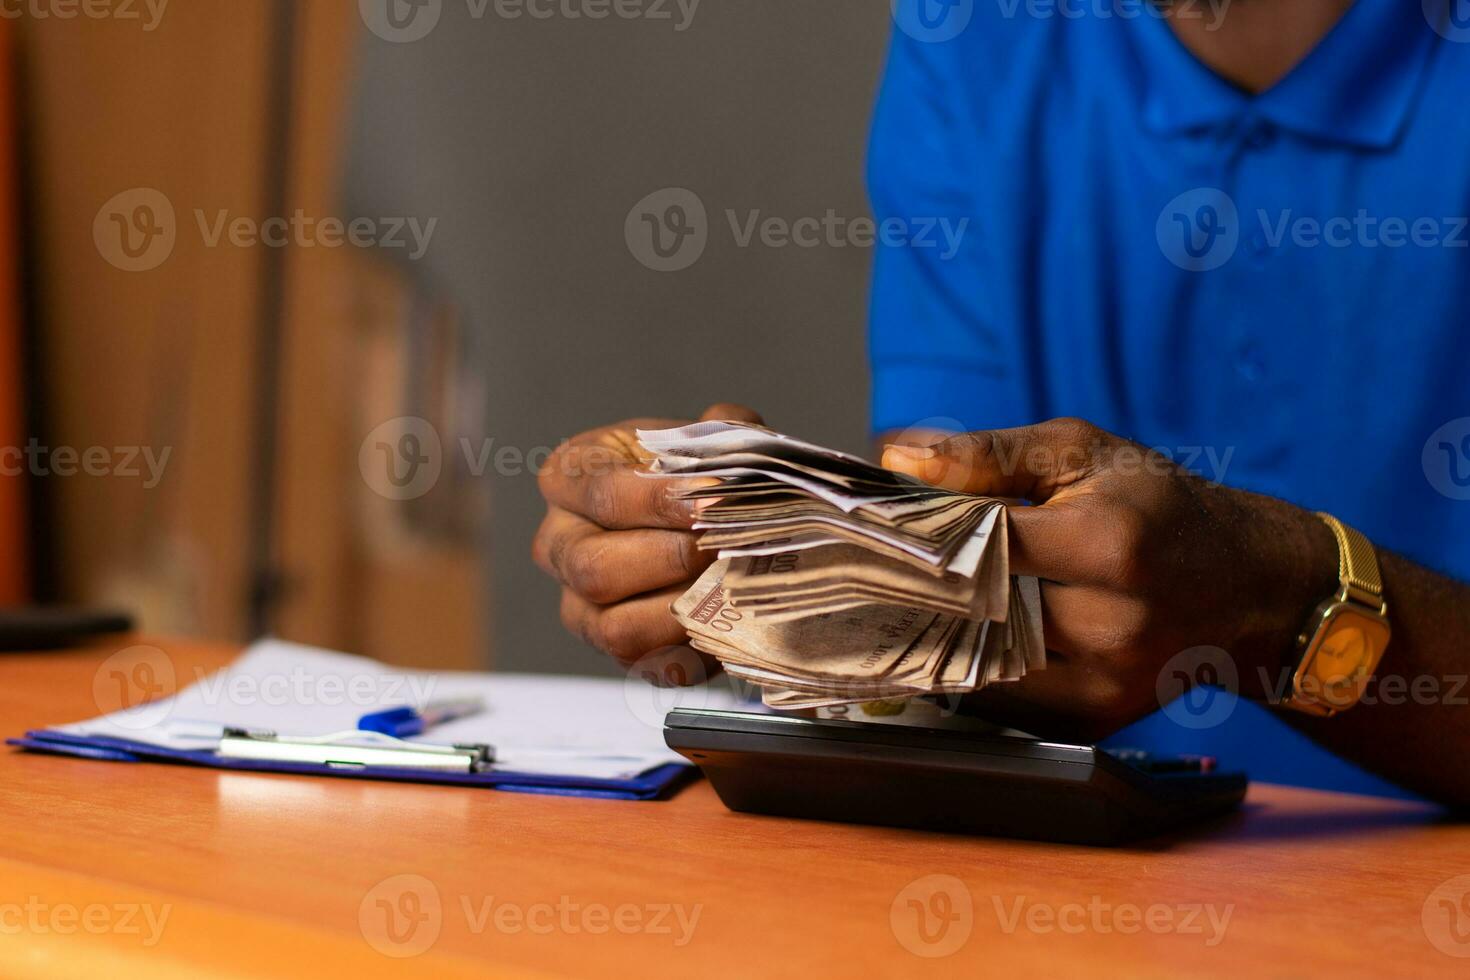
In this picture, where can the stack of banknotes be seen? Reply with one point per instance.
(839, 582)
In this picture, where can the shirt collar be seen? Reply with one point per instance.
(1356, 87)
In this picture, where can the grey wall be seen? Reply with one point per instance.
(530, 141)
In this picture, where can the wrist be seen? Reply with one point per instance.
(1296, 572)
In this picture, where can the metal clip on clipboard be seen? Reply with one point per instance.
(353, 750)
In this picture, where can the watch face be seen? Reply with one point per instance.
(1348, 646)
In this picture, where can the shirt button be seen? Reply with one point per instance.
(1259, 134)
(1250, 362)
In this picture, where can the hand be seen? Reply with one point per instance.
(620, 544)
(1139, 560)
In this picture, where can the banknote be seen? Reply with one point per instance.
(840, 583)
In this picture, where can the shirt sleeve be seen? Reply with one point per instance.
(936, 357)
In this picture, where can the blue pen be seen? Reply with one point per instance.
(406, 721)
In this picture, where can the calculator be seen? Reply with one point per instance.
(953, 781)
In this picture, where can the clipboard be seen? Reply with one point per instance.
(554, 735)
(656, 783)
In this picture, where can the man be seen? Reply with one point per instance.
(1229, 227)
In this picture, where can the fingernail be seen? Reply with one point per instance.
(937, 472)
(694, 507)
(912, 452)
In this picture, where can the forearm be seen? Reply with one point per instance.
(1413, 725)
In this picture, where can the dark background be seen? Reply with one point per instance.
(532, 140)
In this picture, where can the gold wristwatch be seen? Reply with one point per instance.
(1345, 639)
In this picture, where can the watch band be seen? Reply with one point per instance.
(1357, 564)
(1360, 595)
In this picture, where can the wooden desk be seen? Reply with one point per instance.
(267, 874)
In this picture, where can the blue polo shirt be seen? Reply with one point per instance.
(1275, 289)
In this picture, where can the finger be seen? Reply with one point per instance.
(628, 630)
(677, 666)
(1066, 541)
(1032, 462)
(609, 492)
(1041, 704)
(609, 566)
(1086, 690)
(913, 437)
(1086, 623)
(559, 529)
(610, 445)
(731, 412)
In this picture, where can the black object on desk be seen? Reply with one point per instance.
(941, 780)
(50, 627)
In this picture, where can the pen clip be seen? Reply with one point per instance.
(356, 748)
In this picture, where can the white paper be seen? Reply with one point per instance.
(542, 724)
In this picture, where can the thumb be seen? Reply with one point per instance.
(730, 412)
(1030, 463)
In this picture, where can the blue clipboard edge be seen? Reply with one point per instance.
(658, 783)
